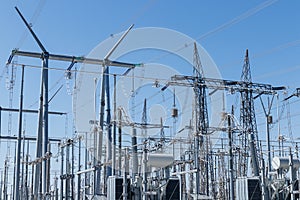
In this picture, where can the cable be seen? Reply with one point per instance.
(2, 73)
(278, 72)
(135, 16)
(235, 20)
(140, 12)
(90, 72)
(98, 73)
(58, 69)
(277, 48)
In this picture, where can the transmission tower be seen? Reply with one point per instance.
(200, 115)
(248, 121)
(200, 93)
(144, 119)
(10, 83)
(201, 125)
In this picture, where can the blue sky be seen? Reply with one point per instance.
(75, 28)
(269, 29)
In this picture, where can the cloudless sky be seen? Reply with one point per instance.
(269, 29)
(76, 27)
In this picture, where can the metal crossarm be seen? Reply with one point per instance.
(221, 84)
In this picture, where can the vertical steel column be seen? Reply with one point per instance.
(79, 168)
(145, 182)
(48, 164)
(268, 141)
(5, 179)
(45, 123)
(0, 122)
(192, 175)
(206, 167)
(268, 122)
(72, 169)
(23, 163)
(134, 154)
(231, 170)
(1, 184)
(62, 173)
(18, 152)
(279, 149)
(120, 141)
(126, 169)
(67, 190)
(97, 189)
(196, 159)
(292, 175)
(109, 134)
(32, 182)
(39, 142)
(296, 151)
(114, 129)
(14, 175)
(26, 172)
(87, 175)
(55, 189)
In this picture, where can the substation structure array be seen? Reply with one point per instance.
(148, 169)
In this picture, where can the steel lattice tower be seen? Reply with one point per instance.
(200, 93)
(144, 120)
(201, 126)
(248, 122)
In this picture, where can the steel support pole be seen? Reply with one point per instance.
(61, 173)
(268, 142)
(268, 122)
(45, 182)
(230, 159)
(134, 154)
(32, 183)
(72, 169)
(114, 135)
(97, 190)
(79, 168)
(67, 190)
(5, 178)
(26, 172)
(109, 133)
(22, 169)
(196, 158)
(39, 142)
(145, 182)
(14, 175)
(119, 142)
(86, 175)
(48, 164)
(18, 152)
(1, 184)
(0, 122)
(126, 169)
(292, 174)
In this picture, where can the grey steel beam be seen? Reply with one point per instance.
(30, 111)
(221, 84)
(27, 138)
(76, 59)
